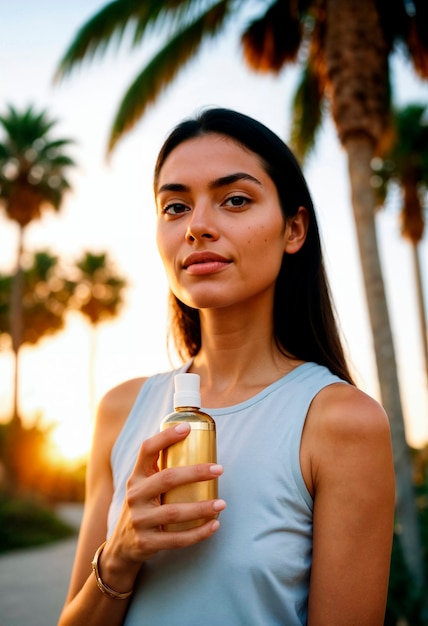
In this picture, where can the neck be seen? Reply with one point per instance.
(238, 356)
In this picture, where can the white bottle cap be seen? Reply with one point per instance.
(187, 390)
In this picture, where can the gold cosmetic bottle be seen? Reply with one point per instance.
(198, 447)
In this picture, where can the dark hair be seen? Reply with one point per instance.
(304, 320)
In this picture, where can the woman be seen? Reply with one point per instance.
(308, 474)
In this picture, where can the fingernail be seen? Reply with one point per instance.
(216, 469)
(219, 505)
(181, 428)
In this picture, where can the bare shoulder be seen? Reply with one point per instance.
(113, 411)
(343, 410)
(118, 401)
(346, 425)
(347, 464)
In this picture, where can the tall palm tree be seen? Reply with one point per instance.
(46, 294)
(46, 297)
(406, 165)
(32, 178)
(99, 296)
(344, 48)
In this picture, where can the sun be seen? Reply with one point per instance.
(70, 443)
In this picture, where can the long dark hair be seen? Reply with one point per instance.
(304, 320)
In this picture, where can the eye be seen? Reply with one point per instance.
(175, 208)
(237, 202)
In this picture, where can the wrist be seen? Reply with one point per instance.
(114, 582)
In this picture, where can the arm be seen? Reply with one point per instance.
(347, 463)
(137, 535)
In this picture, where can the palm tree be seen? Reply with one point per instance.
(98, 296)
(91, 286)
(32, 178)
(46, 297)
(344, 47)
(406, 166)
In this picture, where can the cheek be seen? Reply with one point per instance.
(165, 244)
(168, 246)
(265, 237)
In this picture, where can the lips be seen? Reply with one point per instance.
(204, 262)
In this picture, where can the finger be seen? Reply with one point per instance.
(171, 477)
(175, 513)
(183, 538)
(146, 463)
(187, 512)
(161, 540)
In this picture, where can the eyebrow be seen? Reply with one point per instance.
(223, 181)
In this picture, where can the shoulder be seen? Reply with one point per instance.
(113, 411)
(348, 467)
(347, 464)
(344, 425)
(342, 410)
(118, 401)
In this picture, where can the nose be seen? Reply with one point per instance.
(201, 224)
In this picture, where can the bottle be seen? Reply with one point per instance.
(198, 447)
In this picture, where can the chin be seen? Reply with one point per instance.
(201, 296)
(205, 301)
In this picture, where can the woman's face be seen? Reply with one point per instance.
(220, 230)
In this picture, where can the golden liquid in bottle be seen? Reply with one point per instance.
(198, 447)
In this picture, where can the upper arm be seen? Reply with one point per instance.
(112, 413)
(349, 468)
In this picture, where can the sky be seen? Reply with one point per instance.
(111, 209)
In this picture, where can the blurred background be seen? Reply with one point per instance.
(103, 236)
(110, 209)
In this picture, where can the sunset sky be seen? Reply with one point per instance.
(111, 209)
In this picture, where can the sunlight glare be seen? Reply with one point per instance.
(71, 442)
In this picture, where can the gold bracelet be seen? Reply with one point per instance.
(115, 595)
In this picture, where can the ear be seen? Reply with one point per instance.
(296, 231)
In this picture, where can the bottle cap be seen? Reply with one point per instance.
(187, 390)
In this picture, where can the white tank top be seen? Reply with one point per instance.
(255, 570)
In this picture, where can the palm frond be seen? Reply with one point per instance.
(4, 151)
(406, 162)
(164, 67)
(406, 24)
(417, 42)
(409, 151)
(59, 161)
(421, 19)
(273, 39)
(307, 113)
(108, 26)
(24, 128)
(168, 16)
(384, 174)
(32, 165)
(394, 20)
(100, 31)
(57, 143)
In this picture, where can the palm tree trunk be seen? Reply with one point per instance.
(360, 153)
(16, 323)
(420, 303)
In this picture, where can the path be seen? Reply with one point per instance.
(34, 582)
